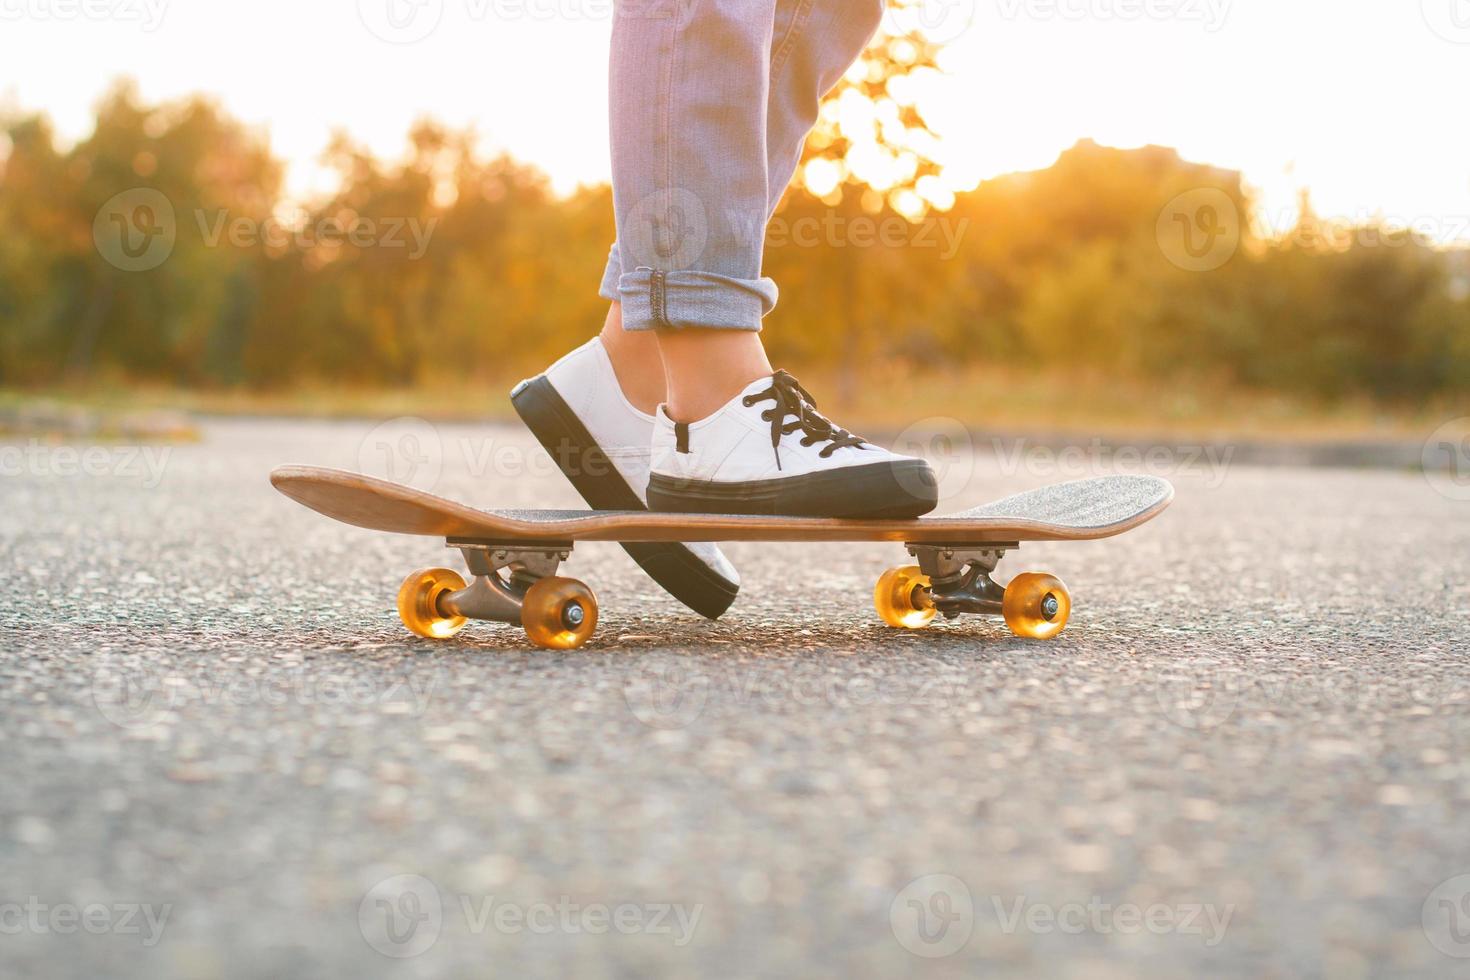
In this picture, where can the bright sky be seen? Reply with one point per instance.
(1363, 101)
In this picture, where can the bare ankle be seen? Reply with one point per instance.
(707, 368)
(635, 360)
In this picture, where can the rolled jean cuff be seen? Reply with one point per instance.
(683, 299)
(610, 276)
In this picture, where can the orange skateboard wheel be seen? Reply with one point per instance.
(902, 598)
(418, 603)
(559, 613)
(1036, 605)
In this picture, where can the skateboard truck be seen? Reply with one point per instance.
(513, 583)
(955, 579)
(496, 596)
(516, 582)
(959, 577)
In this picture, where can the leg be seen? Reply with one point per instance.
(689, 84)
(724, 445)
(812, 45)
(815, 43)
(812, 42)
(690, 192)
(703, 146)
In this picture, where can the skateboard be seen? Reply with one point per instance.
(513, 555)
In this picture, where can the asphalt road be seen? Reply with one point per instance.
(220, 755)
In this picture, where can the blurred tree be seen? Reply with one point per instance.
(870, 163)
(444, 264)
(154, 322)
(34, 188)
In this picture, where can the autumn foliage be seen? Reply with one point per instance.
(447, 261)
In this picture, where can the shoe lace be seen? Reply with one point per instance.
(795, 402)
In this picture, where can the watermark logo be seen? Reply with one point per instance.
(66, 918)
(1198, 700)
(146, 13)
(933, 916)
(401, 916)
(943, 234)
(400, 21)
(145, 464)
(1210, 463)
(1361, 228)
(1212, 14)
(665, 695)
(404, 916)
(1446, 459)
(1199, 231)
(139, 696)
(136, 230)
(1102, 918)
(940, 21)
(1450, 19)
(667, 229)
(669, 696)
(1445, 917)
(1205, 696)
(948, 447)
(410, 235)
(135, 697)
(406, 450)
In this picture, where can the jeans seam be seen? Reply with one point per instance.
(665, 125)
(788, 42)
(658, 299)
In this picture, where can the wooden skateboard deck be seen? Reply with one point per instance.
(1077, 511)
(513, 555)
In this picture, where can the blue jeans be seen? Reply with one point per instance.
(711, 102)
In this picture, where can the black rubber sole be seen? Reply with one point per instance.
(899, 489)
(673, 566)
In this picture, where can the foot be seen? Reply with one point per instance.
(577, 411)
(769, 451)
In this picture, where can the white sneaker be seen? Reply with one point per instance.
(769, 451)
(577, 410)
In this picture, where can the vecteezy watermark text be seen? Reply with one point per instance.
(1108, 918)
(140, 695)
(147, 13)
(403, 916)
(97, 918)
(1211, 13)
(934, 916)
(1201, 696)
(1099, 459)
(138, 230)
(36, 458)
(833, 230)
(357, 231)
(668, 695)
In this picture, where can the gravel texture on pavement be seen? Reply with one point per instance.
(1248, 754)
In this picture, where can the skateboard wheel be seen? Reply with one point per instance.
(559, 613)
(1036, 605)
(902, 598)
(418, 603)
